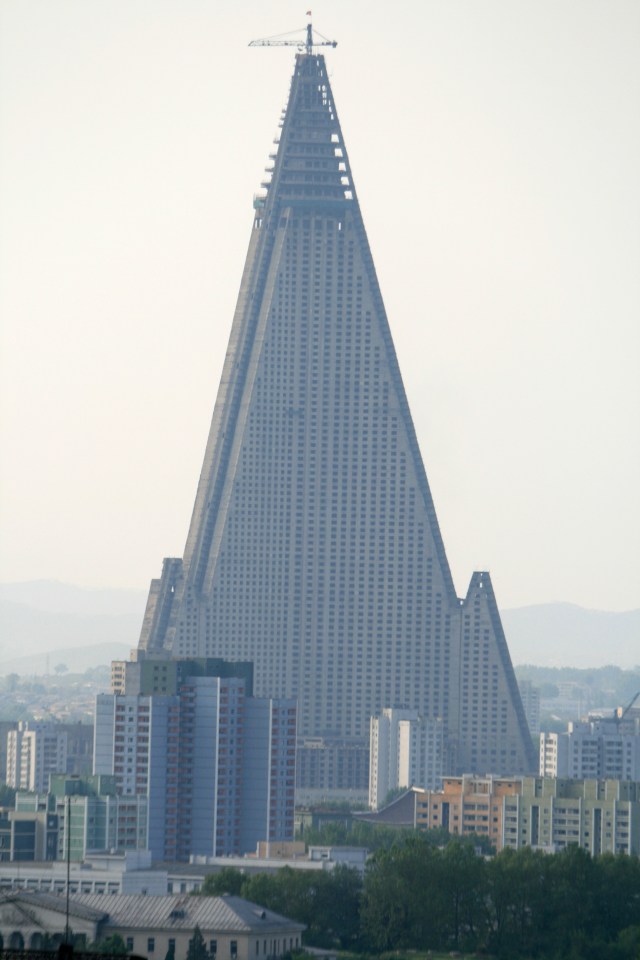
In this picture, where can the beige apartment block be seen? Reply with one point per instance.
(603, 816)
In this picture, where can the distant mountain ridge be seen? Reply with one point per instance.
(46, 618)
(563, 635)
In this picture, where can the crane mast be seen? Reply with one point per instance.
(310, 40)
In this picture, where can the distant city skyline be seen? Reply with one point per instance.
(511, 140)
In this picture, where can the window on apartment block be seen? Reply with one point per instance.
(151, 944)
(234, 949)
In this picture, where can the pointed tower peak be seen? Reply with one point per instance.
(314, 549)
(311, 166)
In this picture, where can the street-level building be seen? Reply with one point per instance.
(151, 926)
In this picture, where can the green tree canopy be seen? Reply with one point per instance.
(197, 947)
(227, 880)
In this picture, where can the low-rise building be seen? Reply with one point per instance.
(86, 815)
(130, 872)
(232, 928)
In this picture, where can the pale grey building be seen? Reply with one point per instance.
(406, 750)
(597, 748)
(314, 550)
(216, 766)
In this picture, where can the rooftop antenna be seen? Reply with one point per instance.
(288, 39)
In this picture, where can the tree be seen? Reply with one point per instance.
(197, 948)
(227, 880)
(399, 900)
(519, 900)
(335, 909)
(461, 880)
(61, 668)
(113, 945)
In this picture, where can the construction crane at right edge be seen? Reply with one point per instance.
(287, 40)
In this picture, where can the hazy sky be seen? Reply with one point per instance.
(495, 146)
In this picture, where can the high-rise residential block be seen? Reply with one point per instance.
(34, 752)
(406, 750)
(314, 550)
(597, 748)
(217, 766)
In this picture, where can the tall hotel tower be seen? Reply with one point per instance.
(314, 548)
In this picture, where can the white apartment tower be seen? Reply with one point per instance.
(34, 751)
(405, 750)
(597, 749)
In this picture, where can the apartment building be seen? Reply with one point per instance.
(34, 751)
(603, 816)
(405, 750)
(601, 748)
(216, 765)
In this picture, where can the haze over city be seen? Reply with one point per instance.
(501, 142)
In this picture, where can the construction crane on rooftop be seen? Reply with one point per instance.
(287, 40)
(620, 713)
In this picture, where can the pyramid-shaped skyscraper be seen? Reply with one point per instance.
(314, 548)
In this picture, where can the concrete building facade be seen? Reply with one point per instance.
(406, 750)
(34, 752)
(597, 748)
(217, 767)
(151, 926)
(83, 815)
(314, 549)
(530, 695)
(603, 816)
